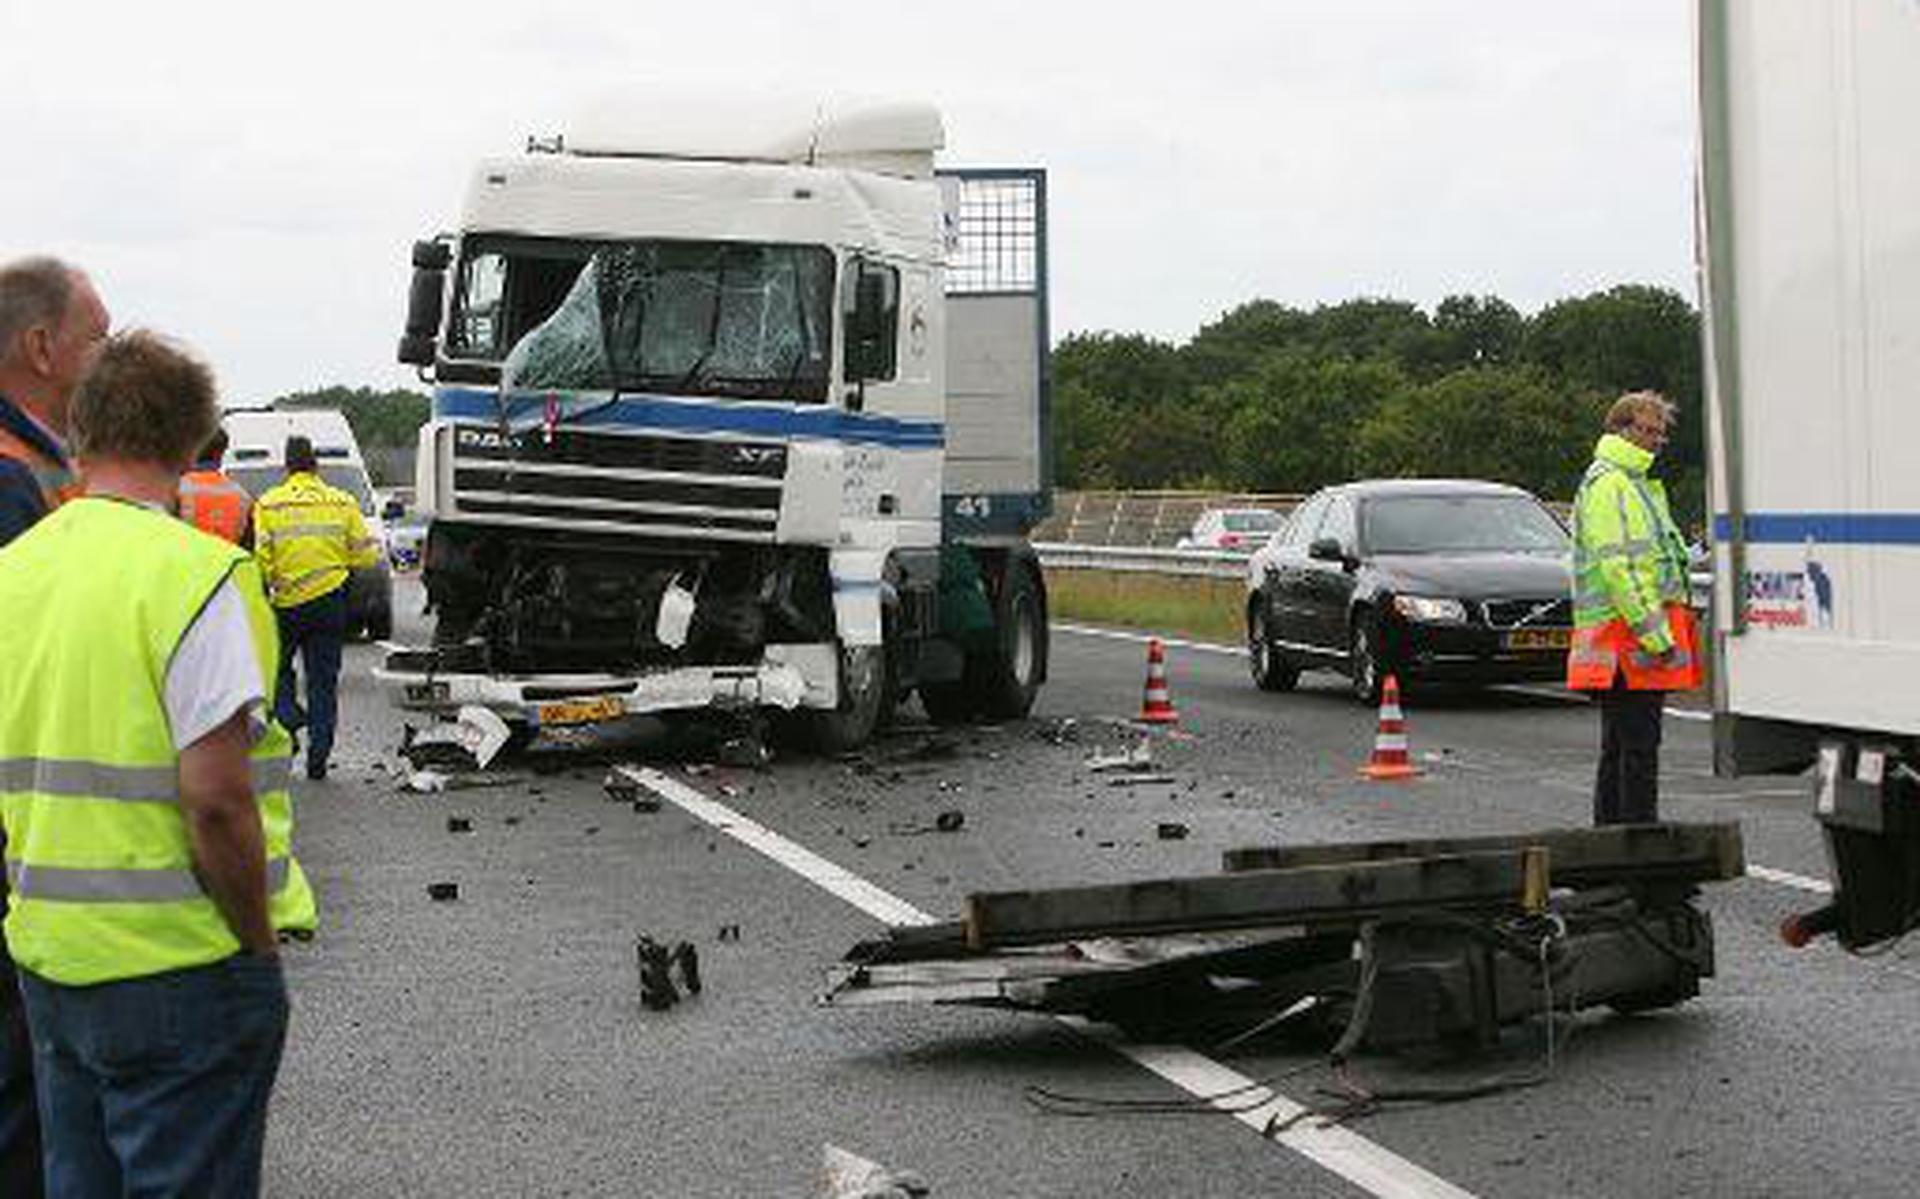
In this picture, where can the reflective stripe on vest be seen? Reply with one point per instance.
(67, 884)
(89, 786)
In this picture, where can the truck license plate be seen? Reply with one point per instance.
(1538, 638)
(582, 711)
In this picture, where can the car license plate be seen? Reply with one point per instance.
(582, 711)
(1538, 638)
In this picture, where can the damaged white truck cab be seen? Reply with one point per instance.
(751, 414)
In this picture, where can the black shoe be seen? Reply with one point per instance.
(317, 771)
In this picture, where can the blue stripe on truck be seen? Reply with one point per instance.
(1824, 528)
(654, 412)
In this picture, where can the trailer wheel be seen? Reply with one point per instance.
(1009, 679)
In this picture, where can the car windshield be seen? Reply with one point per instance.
(1252, 522)
(350, 479)
(708, 318)
(1459, 524)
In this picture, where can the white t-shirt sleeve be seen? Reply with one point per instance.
(215, 671)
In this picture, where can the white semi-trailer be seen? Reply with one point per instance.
(745, 408)
(1810, 215)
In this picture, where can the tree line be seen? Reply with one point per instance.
(1276, 398)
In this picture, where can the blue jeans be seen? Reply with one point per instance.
(19, 1119)
(158, 1086)
(315, 630)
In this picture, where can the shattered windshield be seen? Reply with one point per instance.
(688, 318)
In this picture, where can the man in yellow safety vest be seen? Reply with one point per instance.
(144, 798)
(309, 537)
(1634, 634)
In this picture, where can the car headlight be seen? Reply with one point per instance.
(1428, 610)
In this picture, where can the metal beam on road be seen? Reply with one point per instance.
(1577, 857)
(1253, 899)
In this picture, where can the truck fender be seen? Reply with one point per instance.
(858, 579)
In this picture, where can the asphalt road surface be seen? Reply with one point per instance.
(496, 1045)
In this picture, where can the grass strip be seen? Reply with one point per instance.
(1189, 606)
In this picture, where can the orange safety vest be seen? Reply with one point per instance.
(213, 503)
(58, 483)
(1600, 651)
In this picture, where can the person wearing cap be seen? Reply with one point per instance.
(211, 501)
(143, 792)
(1634, 633)
(309, 537)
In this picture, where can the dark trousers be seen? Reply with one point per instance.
(158, 1085)
(316, 630)
(19, 1119)
(1626, 788)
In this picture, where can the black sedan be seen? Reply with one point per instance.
(1443, 581)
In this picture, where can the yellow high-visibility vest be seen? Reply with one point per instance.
(98, 597)
(308, 537)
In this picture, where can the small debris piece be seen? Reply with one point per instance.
(443, 892)
(850, 1176)
(686, 960)
(1142, 780)
(510, 821)
(620, 787)
(657, 992)
(862, 842)
(1138, 759)
(459, 824)
(728, 932)
(424, 782)
(592, 829)
(743, 753)
(950, 821)
(1172, 830)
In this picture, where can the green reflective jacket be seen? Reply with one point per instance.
(1629, 559)
(97, 598)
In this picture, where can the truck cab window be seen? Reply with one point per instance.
(870, 314)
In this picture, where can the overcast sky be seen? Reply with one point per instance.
(249, 177)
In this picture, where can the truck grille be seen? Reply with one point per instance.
(639, 482)
(1543, 612)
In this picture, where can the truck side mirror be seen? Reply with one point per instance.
(425, 298)
(393, 510)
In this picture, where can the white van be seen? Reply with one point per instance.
(256, 459)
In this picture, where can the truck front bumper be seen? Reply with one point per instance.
(787, 677)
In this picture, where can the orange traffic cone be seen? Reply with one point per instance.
(1156, 705)
(1390, 760)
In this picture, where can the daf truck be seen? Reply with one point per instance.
(739, 407)
(1810, 222)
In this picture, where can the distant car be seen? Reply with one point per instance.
(1452, 581)
(1232, 529)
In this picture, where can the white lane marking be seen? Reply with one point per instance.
(1818, 886)
(1206, 647)
(1369, 1166)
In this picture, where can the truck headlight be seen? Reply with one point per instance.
(1428, 610)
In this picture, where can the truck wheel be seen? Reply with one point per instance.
(866, 696)
(1009, 680)
(1271, 670)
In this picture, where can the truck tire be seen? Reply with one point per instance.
(866, 699)
(1009, 680)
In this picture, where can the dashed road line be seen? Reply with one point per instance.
(1364, 1163)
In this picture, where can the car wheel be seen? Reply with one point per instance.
(1270, 669)
(1364, 666)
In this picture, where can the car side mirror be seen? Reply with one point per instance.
(1326, 549)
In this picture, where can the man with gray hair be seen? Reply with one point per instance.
(51, 325)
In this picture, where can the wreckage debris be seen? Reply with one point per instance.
(443, 892)
(950, 821)
(1172, 830)
(728, 932)
(468, 742)
(1142, 780)
(459, 824)
(623, 785)
(850, 1176)
(658, 964)
(1138, 759)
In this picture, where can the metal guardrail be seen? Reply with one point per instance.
(1219, 564)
